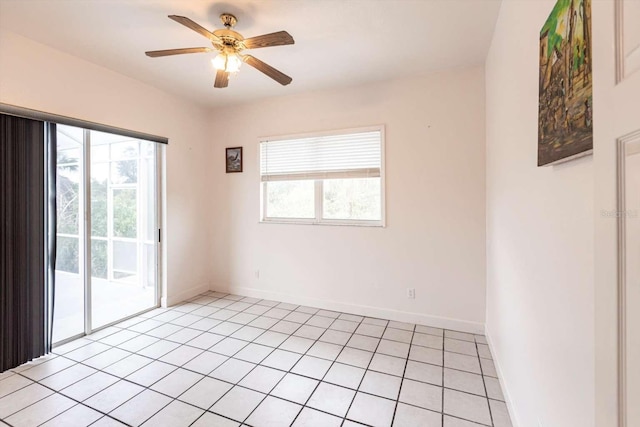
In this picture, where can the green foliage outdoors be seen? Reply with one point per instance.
(67, 254)
(352, 199)
(124, 213)
(290, 199)
(342, 199)
(68, 215)
(99, 258)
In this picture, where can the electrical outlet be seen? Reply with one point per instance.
(257, 274)
(411, 293)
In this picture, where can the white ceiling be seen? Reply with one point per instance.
(338, 42)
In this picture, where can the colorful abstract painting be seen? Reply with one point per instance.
(565, 110)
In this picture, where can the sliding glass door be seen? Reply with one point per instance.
(69, 272)
(107, 263)
(123, 227)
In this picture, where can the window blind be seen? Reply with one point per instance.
(351, 155)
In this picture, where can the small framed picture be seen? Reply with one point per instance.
(234, 159)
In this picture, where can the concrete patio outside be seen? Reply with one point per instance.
(111, 301)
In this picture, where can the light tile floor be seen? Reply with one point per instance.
(226, 360)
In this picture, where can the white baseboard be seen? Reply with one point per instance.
(173, 299)
(363, 310)
(501, 378)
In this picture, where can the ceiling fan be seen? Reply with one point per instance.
(229, 43)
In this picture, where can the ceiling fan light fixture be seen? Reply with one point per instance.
(229, 43)
(227, 62)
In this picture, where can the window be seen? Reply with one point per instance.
(334, 178)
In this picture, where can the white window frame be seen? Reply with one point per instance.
(319, 199)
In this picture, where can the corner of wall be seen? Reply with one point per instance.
(508, 400)
(357, 309)
(169, 300)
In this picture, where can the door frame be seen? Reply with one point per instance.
(86, 237)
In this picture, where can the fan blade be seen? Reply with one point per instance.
(274, 39)
(167, 52)
(195, 27)
(222, 79)
(267, 69)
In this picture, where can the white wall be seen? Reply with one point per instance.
(435, 196)
(540, 241)
(35, 76)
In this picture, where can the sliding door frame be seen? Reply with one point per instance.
(159, 190)
(86, 237)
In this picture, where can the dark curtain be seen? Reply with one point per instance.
(23, 299)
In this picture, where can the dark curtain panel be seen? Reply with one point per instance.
(51, 142)
(23, 308)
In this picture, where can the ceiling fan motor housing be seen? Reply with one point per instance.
(230, 39)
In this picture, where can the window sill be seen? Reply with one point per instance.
(341, 223)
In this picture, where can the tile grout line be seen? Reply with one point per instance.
(258, 364)
(444, 338)
(404, 371)
(225, 336)
(292, 367)
(100, 370)
(305, 376)
(119, 378)
(237, 384)
(305, 354)
(372, 356)
(483, 382)
(180, 344)
(320, 381)
(148, 388)
(228, 358)
(367, 368)
(173, 398)
(181, 367)
(65, 396)
(380, 338)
